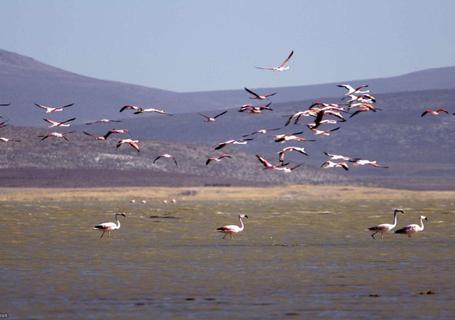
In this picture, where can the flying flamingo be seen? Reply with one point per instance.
(340, 157)
(331, 164)
(218, 159)
(364, 98)
(257, 96)
(261, 131)
(362, 162)
(282, 67)
(213, 119)
(290, 137)
(318, 132)
(297, 115)
(102, 121)
(129, 107)
(352, 90)
(232, 141)
(55, 135)
(412, 228)
(268, 166)
(166, 155)
(109, 226)
(143, 110)
(232, 228)
(385, 227)
(54, 123)
(434, 112)
(5, 140)
(132, 143)
(255, 109)
(290, 149)
(104, 138)
(53, 109)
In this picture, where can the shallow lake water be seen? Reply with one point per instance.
(296, 259)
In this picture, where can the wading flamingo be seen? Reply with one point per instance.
(385, 227)
(412, 228)
(109, 226)
(232, 228)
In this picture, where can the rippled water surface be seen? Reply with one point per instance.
(295, 259)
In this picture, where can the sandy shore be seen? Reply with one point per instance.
(312, 192)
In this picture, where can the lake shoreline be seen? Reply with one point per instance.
(304, 192)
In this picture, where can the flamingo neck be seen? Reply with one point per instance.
(421, 224)
(394, 219)
(118, 222)
(242, 226)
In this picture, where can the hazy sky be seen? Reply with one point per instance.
(211, 45)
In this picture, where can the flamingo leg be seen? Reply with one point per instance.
(382, 235)
(109, 233)
(102, 234)
(372, 235)
(224, 236)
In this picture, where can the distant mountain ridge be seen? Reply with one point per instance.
(24, 81)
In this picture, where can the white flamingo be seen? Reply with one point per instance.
(132, 143)
(412, 228)
(290, 149)
(364, 162)
(167, 156)
(54, 123)
(261, 131)
(53, 109)
(5, 140)
(144, 110)
(385, 227)
(109, 226)
(282, 167)
(352, 90)
(255, 109)
(257, 96)
(232, 141)
(218, 158)
(212, 119)
(331, 164)
(282, 138)
(282, 67)
(232, 228)
(55, 135)
(102, 121)
(340, 157)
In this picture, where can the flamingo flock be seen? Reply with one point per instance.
(322, 115)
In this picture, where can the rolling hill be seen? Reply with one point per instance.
(85, 162)
(24, 81)
(419, 151)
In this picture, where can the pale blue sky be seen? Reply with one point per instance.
(214, 45)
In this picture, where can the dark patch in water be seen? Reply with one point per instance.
(429, 292)
(292, 314)
(262, 304)
(374, 295)
(163, 217)
(190, 299)
(209, 299)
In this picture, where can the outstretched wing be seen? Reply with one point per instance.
(251, 92)
(287, 59)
